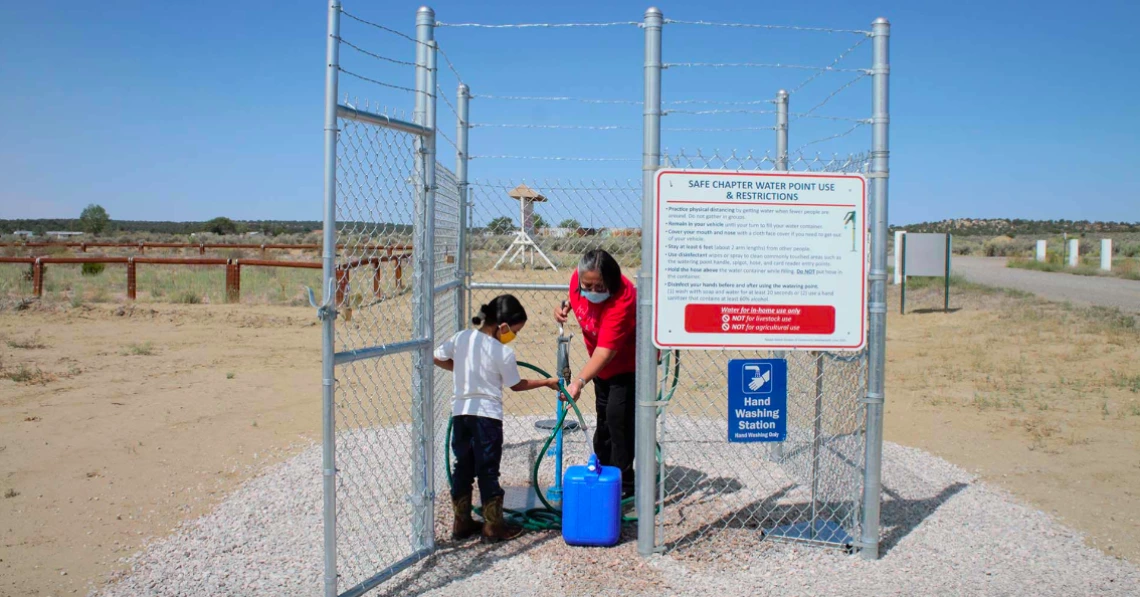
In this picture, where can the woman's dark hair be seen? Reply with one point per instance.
(598, 260)
(504, 308)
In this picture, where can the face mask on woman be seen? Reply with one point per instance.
(594, 297)
(506, 334)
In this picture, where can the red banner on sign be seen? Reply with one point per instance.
(759, 319)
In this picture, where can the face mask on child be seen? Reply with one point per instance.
(595, 297)
(506, 334)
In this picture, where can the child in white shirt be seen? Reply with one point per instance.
(483, 364)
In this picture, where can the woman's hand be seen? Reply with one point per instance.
(552, 383)
(562, 313)
(574, 389)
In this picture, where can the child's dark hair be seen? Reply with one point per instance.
(504, 308)
(598, 260)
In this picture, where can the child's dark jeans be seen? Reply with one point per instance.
(478, 446)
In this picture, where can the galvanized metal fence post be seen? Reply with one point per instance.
(877, 342)
(463, 125)
(777, 450)
(327, 313)
(646, 418)
(781, 130)
(423, 310)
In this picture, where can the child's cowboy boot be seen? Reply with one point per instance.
(463, 526)
(496, 528)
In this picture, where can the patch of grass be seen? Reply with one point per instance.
(1032, 264)
(31, 343)
(76, 298)
(984, 403)
(1134, 409)
(230, 375)
(1073, 440)
(1127, 382)
(101, 295)
(1039, 430)
(30, 376)
(1109, 317)
(92, 269)
(11, 493)
(1089, 266)
(187, 297)
(144, 349)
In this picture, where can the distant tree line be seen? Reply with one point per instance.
(1016, 227)
(221, 226)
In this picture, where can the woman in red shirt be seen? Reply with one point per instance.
(605, 304)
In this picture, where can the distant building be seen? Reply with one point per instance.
(252, 233)
(556, 232)
(24, 233)
(62, 233)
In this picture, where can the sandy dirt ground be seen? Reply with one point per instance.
(118, 424)
(137, 422)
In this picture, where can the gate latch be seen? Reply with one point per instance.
(325, 310)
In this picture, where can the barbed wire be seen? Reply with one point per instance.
(719, 111)
(538, 98)
(762, 65)
(372, 54)
(832, 137)
(719, 130)
(551, 158)
(381, 27)
(552, 126)
(440, 132)
(835, 118)
(442, 96)
(772, 27)
(536, 25)
(556, 185)
(380, 83)
(447, 61)
(834, 93)
(720, 103)
(819, 73)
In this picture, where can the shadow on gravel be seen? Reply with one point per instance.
(898, 517)
(457, 561)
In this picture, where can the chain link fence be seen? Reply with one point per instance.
(377, 178)
(532, 255)
(386, 503)
(807, 488)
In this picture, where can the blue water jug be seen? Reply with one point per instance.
(591, 504)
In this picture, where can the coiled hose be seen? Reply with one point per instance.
(547, 517)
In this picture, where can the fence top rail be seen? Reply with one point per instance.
(271, 263)
(156, 245)
(47, 259)
(381, 120)
(180, 260)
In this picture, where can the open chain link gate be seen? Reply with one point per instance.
(383, 308)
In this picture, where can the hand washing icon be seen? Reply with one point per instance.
(758, 378)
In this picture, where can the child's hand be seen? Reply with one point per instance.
(552, 383)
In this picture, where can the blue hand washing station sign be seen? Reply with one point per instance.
(757, 400)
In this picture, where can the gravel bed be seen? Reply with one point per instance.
(943, 533)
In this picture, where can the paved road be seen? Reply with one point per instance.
(1085, 290)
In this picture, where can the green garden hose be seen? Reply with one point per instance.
(548, 518)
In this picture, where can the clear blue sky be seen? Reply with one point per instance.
(190, 110)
